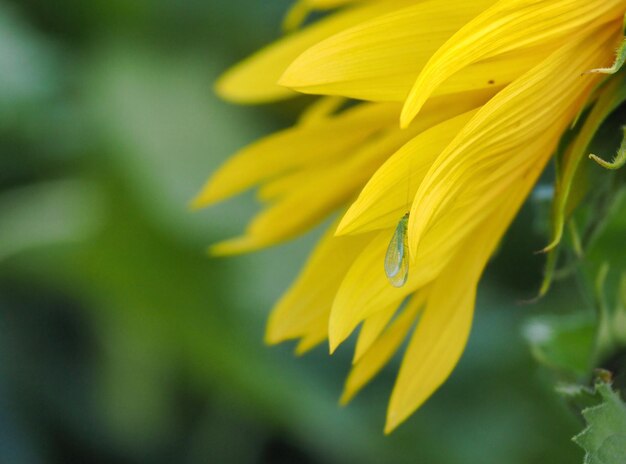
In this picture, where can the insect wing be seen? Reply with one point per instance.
(396, 262)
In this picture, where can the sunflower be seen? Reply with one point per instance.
(433, 123)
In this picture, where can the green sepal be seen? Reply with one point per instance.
(572, 183)
(620, 159)
(620, 59)
(611, 318)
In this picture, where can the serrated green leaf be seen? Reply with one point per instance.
(613, 450)
(604, 439)
(581, 396)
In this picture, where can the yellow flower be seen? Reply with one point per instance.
(460, 106)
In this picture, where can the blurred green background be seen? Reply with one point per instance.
(122, 341)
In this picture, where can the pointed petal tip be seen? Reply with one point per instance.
(358, 355)
(301, 350)
(295, 78)
(409, 111)
(218, 249)
(335, 336)
(231, 87)
(344, 227)
(388, 428)
(271, 338)
(334, 340)
(225, 90)
(332, 347)
(209, 195)
(232, 247)
(199, 202)
(194, 205)
(415, 101)
(405, 119)
(219, 86)
(294, 75)
(394, 419)
(307, 344)
(287, 80)
(346, 397)
(296, 16)
(215, 250)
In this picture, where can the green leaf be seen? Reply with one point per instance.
(31, 70)
(47, 214)
(604, 439)
(580, 396)
(564, 343)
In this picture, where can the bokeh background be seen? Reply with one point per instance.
(122, 341)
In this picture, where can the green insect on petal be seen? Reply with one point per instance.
(396, 259)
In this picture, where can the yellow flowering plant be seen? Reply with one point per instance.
(433, 122)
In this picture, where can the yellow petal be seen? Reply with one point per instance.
(254, 80)
(445, 323)
(436, 345)
(329, 4)
(283, 186)
(371, 329)
(300, 307)
(507, 26)
(382, 350)
(316, 197)
(470, 205)
(365, 289)
(388, 194)
(294, 148)
(380, 59)
(534, 110)
(299, 12)
(320, 110)
(302, 202)
(317, 333)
